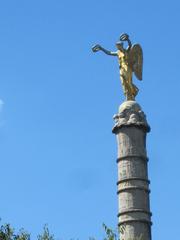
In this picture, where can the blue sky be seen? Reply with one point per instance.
(57, 152)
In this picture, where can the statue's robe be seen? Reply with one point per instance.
(130, 90)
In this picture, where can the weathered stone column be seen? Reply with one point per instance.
(134, 217)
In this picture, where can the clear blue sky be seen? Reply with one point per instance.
(57, 152)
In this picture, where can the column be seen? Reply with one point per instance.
(134, 216)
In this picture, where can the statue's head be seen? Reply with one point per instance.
(119, 45)
(124, 37)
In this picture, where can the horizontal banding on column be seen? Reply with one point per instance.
(134, 210)
(131, 179)
(132, 188)
(135, 220)
(132, 156)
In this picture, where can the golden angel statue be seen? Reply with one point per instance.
(130, 61)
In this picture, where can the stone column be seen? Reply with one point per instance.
(134, 217)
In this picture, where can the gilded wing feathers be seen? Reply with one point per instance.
(136, 60)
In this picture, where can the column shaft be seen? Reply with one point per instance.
(134, 216)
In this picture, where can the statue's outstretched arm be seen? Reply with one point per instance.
(98, 47)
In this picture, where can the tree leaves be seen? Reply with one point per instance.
(8, 233)
(46, 234)
(110, 234)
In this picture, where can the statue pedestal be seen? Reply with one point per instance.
(134, 217)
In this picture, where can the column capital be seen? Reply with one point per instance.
(130, 114)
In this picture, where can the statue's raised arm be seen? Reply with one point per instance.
(130, 60)
(98, 47)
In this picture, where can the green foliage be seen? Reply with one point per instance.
(8, 233)
(110, 234)
(45, 235)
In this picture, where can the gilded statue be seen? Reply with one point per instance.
(130, 61)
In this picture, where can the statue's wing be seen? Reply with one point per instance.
(136, 60)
